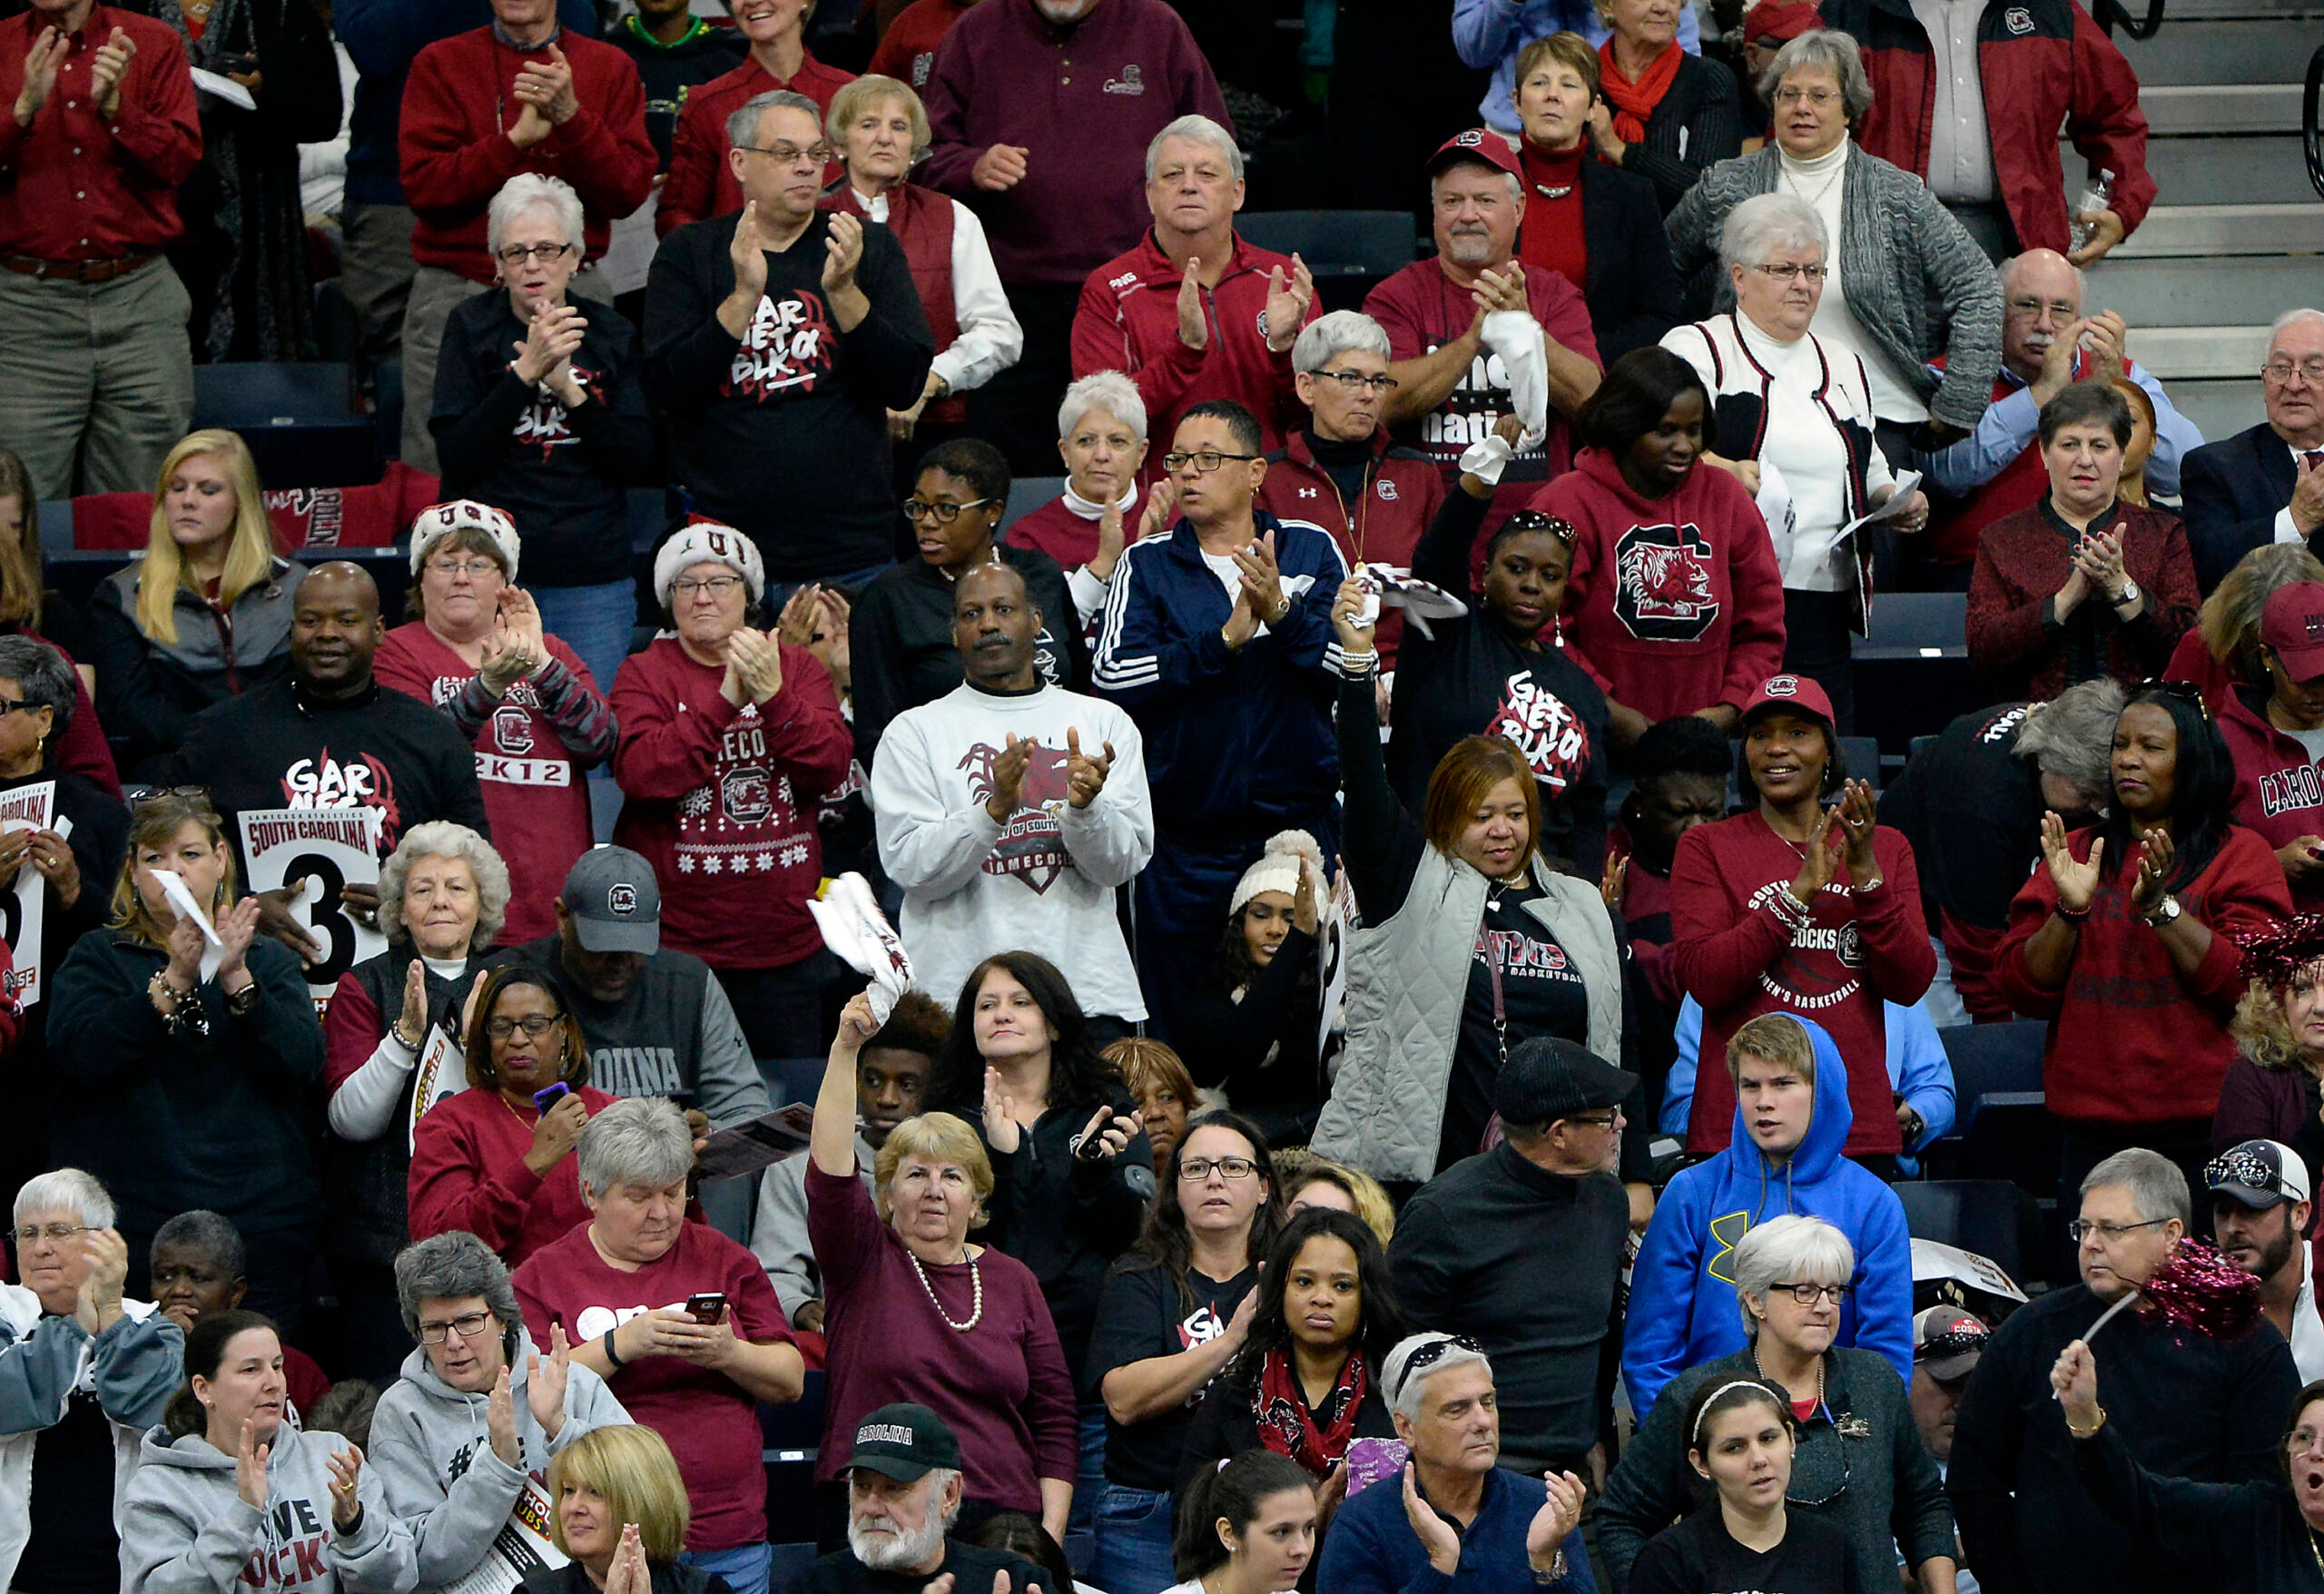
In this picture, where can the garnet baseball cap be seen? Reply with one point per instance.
(905, 1442)
(1478, 143)
(1798, 692)
(1780, 20)
(2260, 1174)
(1948, 1341)
(2293, 624)
(615, 900)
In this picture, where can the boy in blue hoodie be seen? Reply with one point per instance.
(1791, 1119)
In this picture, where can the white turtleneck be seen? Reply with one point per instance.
(1088, 592)
(1821, 182)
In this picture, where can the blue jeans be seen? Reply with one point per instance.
(595, 621)
(745, 1567)
(1089, 1482)
(1134, 1529)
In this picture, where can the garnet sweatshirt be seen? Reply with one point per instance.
(468, 1172)
(2131, 1039)
(2279, 787)
(1742, 949)
(1675, 604)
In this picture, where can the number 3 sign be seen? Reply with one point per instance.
(329, 849)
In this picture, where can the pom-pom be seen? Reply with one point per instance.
(2200, 1289)
(2276, 955)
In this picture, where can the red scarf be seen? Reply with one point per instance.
(1634, 103)
(1286, 1425)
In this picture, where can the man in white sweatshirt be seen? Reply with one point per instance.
(1011, 811)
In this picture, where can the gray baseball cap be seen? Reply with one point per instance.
(615, 900)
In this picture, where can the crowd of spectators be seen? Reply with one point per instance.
(1415, 1031)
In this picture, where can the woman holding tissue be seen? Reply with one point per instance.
(185, 1052)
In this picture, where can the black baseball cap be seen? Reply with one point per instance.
(615, 900)
(905, 1442)
(1547, 1079)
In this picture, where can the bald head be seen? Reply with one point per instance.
(2040, 297)
(996, 628)
(334, 630)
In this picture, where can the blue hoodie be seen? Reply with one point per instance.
(1682, 1306)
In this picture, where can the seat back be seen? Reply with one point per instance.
(1026, 493)
(1336, 243)
(1991, 1218)
(1916, 626)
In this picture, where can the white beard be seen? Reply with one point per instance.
(892, 1551)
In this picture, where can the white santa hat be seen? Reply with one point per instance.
(707, 542)
(1277, 870)
(437, 521)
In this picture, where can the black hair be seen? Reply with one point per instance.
(1241, 422)
(917, 1023)
(1719, 1395)
(1163, 1243)
(345, 1408)
(1527, 523)
(1078, 1077)
(1636, 392)
(1380, 1323)
(47, 681)
(974, 461)
(1835, 763)
(2092, 401)
(1234, 1492)
(206, 1350)
(1018, 1534)
(2201, 788)
(1688, 746)
(2309, 1394)
(1233, 968)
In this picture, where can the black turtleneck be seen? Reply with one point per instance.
(1349, 465)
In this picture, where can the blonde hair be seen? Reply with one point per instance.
(20, 571)
(250, 554)
(858, 93)
(155, 822)
(1296, 1167)
(1772, 1038)
(2260, 1029)
(632, 1469)
(937, 1137)
(2230, 618)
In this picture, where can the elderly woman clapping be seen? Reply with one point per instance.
(1787, 397)
(65, 1333)
(1101, 435)
(1860, 1462)
(556, 435)
(693, 1372)
(916, 1312)
(1899, 257)
(454, 1496)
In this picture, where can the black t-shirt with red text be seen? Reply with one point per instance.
(1142, 1314)
(1540, 994)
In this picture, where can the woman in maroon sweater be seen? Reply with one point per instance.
(915, 1313)
(2126, 942)
(2271, 1091)
(1792, 907)
(2084, 583)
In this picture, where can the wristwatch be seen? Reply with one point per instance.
(2164, 913)
(2129, 595)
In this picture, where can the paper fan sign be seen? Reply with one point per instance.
(860, 935)
(1386, 586)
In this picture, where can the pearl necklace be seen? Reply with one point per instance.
(976, 1308)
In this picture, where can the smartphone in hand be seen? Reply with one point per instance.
(548, 1096)
(708, 1308)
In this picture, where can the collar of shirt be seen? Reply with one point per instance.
(2102, 521)
(501, 35)
(1087, 510)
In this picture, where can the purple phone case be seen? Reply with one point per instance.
(549, 1095)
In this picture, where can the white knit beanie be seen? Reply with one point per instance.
(437, 521)
(1277, 870)
(706, 542)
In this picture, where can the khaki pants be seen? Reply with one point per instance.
(436, 293)
(96, 379)
(375, 272)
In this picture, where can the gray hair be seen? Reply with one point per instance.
(211, 1233)
(442, 837)
(1516, 186)
(47, 680)
(638, 1140)
(447, 1267)
(1403, 1388)
(1791, 1248)
(1110, 391)
(1195, 128)
(2158, 1189)
(521, 193)
(742, 126)
(2072, 736)
(2300, 313)
(1326, 338)
(1834, 51)
(1766, 222)
(66, 1190)
(2008, 269)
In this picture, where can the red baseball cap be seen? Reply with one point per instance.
(2293, 624)
(1780, 20)
(1797, 693)
(1478, 143)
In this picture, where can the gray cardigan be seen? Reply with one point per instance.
(1898, 246)
(1893, 1495)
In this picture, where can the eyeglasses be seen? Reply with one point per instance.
(533, 1024)
(2301, 1441)
(1600, 1120)
(160, 794)
(1530, 520)
(516, 254)
(468, 1326)
(1819, 98)
(1435, 1350)
(55, 1233)
(1785, 271)
(475, 569)
(1203, 460)
(13, 705)
(792, 154)
(2279, 371)
(1953, 1342)
(1350, 381)
(942, 512)
(1198, 1168)
(2186, 692)
(2081, 1228)
(1807, 1294)
(2062, 309)
(717, 586)
(2239, 1167)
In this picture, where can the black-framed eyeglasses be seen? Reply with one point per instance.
(55, 1234)
(1350, 381)
(1198, 1168)
(1596, 1120)
(2280, 371)
(2081, 1228)
(533, 1024)
(792, 154)
(940, 511)
(516, 254)
(1203, 460)
(468, 1326)
(14, 706)
(717, 586)
(1807, 1293)
(1785, 271)
(1533, 520)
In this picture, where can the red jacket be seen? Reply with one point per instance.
(2278, 789)
(2191, 661)
(467, 1172)
(1674, 604)
(2131, 1039)
(701, 183)
(458, 105)
(1128, 320)
(2043, 64)
(2022, 561)
(907, 50)
(1740, 954)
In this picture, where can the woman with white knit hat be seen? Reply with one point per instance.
(729, 739)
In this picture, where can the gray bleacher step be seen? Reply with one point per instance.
(2237, 171)
(2220, 406)
(2209, 231)
(2205, 110)
(2236, 289)
(2255, 50)
(2188, 11)
(2227, 353)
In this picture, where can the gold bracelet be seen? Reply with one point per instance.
(2077, 1433)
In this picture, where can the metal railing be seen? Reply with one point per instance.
(2107, 13)
(2311, 138)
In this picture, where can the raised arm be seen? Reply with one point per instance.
(831, 1141)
